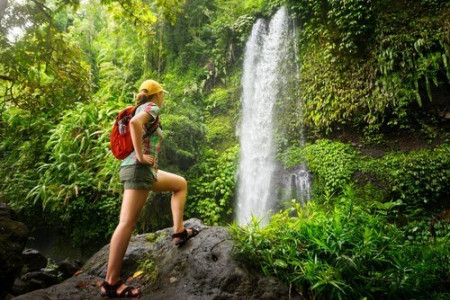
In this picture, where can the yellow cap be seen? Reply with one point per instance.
(152, 87)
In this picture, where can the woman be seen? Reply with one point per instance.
(139, 173)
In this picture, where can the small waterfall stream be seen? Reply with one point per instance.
(268, 53)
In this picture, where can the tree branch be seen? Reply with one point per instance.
(4, 77)
(44, 9)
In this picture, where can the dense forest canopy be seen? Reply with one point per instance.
(374, 85)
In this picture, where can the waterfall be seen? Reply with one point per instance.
(297, 183)
(298, 180)
(266, 50)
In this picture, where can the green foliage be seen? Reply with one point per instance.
(218, 101)
(347, 24)
(79, 146)
(219, 131)
(332, 164)
(40, 72)
(78, 187)
(230, 28)
(292, 156)
(221, 117)
(21, 148)
(345, 252)
(418, 231)
(212, 179)
(417, 178)
(211, 34)
(110, 48)
(147, 266)
(212, 187)
(410, 58)
(362, 65)
(183, 139)
(189, 38)
(353, 24)
(332, 95)
(99, 31)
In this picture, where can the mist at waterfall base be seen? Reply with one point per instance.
(269, 69)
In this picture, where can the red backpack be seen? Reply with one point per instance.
(120, 139)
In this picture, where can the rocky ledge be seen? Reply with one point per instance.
(204, 268)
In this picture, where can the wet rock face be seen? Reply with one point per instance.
(13, 236)
(202, 269)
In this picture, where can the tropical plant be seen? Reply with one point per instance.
(345, 251)
(212, 187)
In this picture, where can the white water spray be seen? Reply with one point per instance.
(265, 50)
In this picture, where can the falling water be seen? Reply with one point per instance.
(297, 184)
(261, 82)
(297, 181)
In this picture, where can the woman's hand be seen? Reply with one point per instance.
(149, 160)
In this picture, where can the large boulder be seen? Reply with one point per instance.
(203, 269)
(13, 236)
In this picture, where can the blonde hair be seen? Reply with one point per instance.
(144, 97)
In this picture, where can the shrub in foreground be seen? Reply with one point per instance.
(345, 252)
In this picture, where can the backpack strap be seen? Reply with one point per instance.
(154, 127)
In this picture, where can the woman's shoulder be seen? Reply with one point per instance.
(149, 107)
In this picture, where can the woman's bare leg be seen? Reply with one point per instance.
(168, 182)
(133, 201)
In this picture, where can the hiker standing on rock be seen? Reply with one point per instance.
(139, 173)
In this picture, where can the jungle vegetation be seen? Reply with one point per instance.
(375, 87)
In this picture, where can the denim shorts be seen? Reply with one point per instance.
(136, 177)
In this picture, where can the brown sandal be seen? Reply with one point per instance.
(184, 236)
(111, 291)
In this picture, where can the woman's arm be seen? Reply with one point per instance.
(136, 124)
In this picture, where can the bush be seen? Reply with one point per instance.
(212, 187)
(183, 138)
(417, 178)
(20, 150)
(78, 187)
(332, 164)
(222, 112)
(345, 252)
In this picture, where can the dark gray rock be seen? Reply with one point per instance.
(47, 276)
(13, 236)
(36, 284)
(81, 287)
(34, 260)
(35, 280)
(20, 287)
(6, 211)
(68, 268)
(203, 269)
